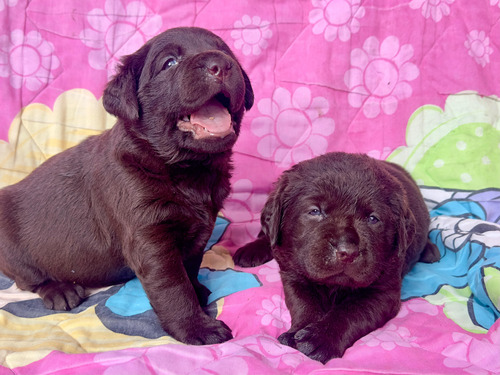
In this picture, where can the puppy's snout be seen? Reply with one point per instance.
(347, 252)
(214, 70)
(218, 67)
(345, 248)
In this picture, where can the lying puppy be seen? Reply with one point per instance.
(141, 198)
(344, 229)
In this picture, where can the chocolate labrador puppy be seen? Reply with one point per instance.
(344, 229)
(142, 198)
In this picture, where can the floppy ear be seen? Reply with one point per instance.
(406, 230)
(120, 95)
(249, 97)
(248, 91)
(270, 219)
(272, 213)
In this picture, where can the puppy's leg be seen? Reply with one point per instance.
(362, 312)
(159, 265)
(177, 305)
(304, 300)
(254, 253)
(192, 266)
(55, 295)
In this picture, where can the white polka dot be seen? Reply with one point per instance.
(486, 160)
(465, 177)
(461, 145)
(479, 131)
(439, 163)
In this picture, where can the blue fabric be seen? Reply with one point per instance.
(462, 232)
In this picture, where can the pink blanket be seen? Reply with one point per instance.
(415, 82)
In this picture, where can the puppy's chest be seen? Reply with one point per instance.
(200, 188)
(206, 191)
(328, 296)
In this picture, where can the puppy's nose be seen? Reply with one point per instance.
(217, 67)
(214, 70)
(346, 252)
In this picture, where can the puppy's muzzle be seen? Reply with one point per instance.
(344, 249)
(221, 84)
(345, 252)
(218, 67)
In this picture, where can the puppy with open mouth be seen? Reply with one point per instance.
(344, 229)
(141, 198)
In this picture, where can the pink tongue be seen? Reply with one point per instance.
(213, 116)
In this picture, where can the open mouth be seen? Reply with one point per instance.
(212, 120)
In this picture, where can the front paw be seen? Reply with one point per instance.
(287, 339)
(254, 253)
(318, 343)
(200, 330)
(61, 296)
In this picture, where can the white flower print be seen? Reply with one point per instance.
(417, 305)
(380, 154)
(336, 18)
(478, 45)
(270, 272)
(277, 355)
(116, 31)
(389, 337)
(274, 313)
(434, 9)
(293, 127)
(469, 354)
(250, 34)
(379, 76)
(242, 208)
(7, 3)
(28, 60)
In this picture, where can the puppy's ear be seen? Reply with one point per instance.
(249, 98)
(120, 95)
(407, 227)
(272, 213)
(270, 219)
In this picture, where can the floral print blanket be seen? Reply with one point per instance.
(415, 82)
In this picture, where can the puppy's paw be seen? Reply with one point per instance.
(317, 343)
(287, 339)
(61, 296)
(254, 253)
(201, 330)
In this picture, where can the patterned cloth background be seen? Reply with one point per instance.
(413, 81)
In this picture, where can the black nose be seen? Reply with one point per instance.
(345, 247)
(347, 253)
(214, 70)
(218, 67)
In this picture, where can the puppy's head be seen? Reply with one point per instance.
(339, 219)
(183, 90)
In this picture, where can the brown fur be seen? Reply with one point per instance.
(344, 229)
(141, 198)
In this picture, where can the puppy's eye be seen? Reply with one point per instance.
(315, 212)
(372, 219)
(169, 62)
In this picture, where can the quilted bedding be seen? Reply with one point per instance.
(415, 82)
